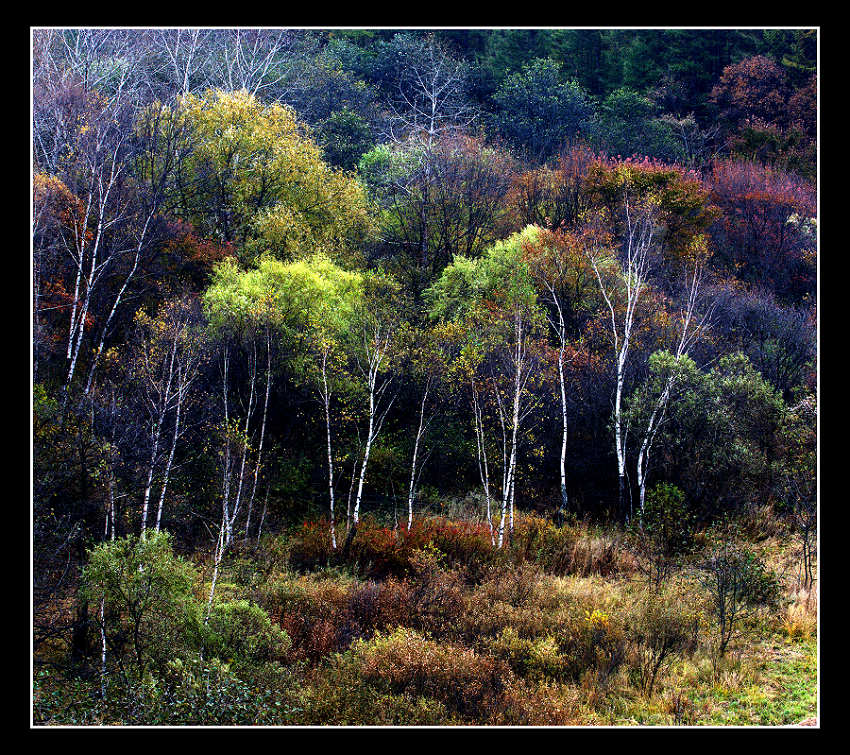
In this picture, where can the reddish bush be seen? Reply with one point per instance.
(755, 87)
(764, 235)
(311, 545)
(314, 613)
(379, 551)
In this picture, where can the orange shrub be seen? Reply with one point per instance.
(406, 662)
(379, 551)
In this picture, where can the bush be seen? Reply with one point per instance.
(241, 633)
(739, 583)
(196, 692)
(527, 703)
(187, 691)
(667, 519)
(534, 659)
(310, 546)
(406, 662)
(432, 599)
(542, 542)
(517, 586)
(601, 554)
(150, 614)
(601, 648)
(337, 695)
(314, 613)
(378, 552)
(662, 629)
(665, 532)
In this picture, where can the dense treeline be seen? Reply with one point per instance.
(285, 275)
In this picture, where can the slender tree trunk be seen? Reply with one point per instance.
(508, 491)
(369, 439)
(419, 434)
(262, 433)
(238, 500)
(483, 468)
(619, 439)
(127, 279)
(655, 420)
(263, 516)
(226, 461)
(162, 409)
(351, 492)
(326, 399)
(102, 652)
(219, 552)
(505, 468)
(168, 463)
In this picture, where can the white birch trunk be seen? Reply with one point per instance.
(365, 462)
(326, 399)
(262, 433)
(263, 516)
(419, 434)
(162, 408)
(238, 499)
(174, 438)
(483, 468)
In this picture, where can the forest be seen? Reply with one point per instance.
(424, 377)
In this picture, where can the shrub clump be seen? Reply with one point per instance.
(408, 662)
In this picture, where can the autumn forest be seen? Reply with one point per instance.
(424, 377)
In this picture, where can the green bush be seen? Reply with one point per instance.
(662, 628)
(668, 520)
(150, 614)
(186, 692)
(534, 659)
(241, 633)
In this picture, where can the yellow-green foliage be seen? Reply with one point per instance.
(311, 292)
(259, 180)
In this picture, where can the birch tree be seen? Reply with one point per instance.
(623, 276)
(186, 54)
(189, 356)
(154, 368)
(323, 299)
(160, 143)
(495, 299)
(256, 59)
(694, 318)
(302, 311)
(72, 69)
(428, 91)
(165, 361)
(373, 348)
(97, 176)
(432, 354)
(240, 344)
(427, 105)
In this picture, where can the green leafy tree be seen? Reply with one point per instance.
(494, 299)
(148, 610)
(307, 308)
(255, 177)
(344, 136)
(628, 125)
(538, 113)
